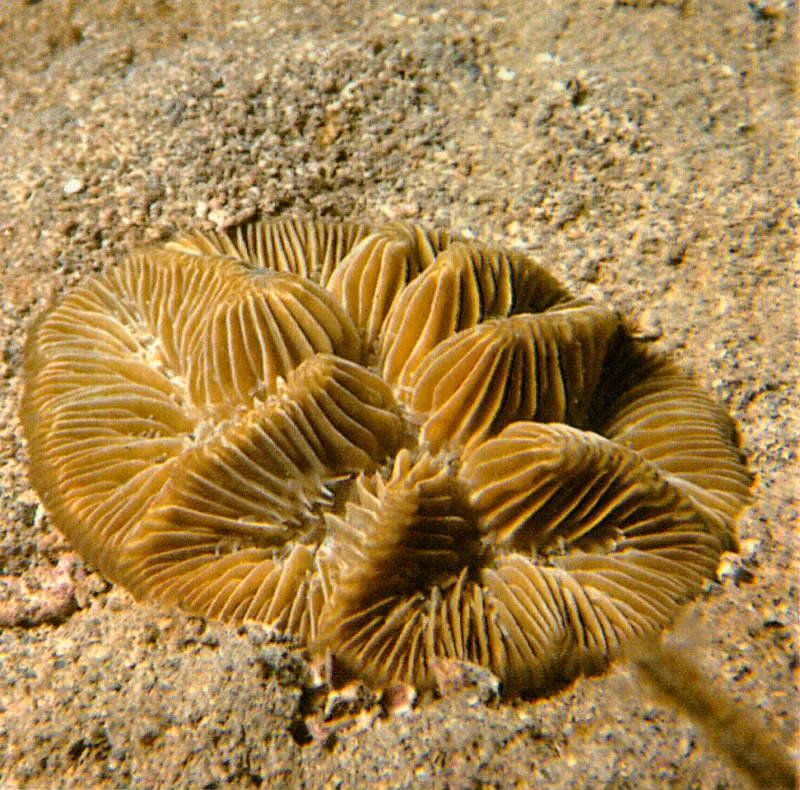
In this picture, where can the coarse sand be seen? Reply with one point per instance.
(646, 150)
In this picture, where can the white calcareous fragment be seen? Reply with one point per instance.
(74, 186)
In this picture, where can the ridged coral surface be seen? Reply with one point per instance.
(391, 444)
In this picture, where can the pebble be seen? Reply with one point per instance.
(731, 567)
(74, 186)
(649, 325)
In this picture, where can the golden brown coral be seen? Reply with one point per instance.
(394, 445)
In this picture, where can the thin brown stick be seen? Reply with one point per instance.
(674, 673)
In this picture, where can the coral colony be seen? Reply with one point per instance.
(390, 444)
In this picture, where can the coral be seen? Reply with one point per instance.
(393, 445)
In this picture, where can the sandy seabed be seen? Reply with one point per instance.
(646, 151)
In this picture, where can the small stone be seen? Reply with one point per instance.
(749, 548)
(74, 186)
(404, 210)
(218, 217)
(453, 676)
(399, 699)
(732, 568)
(649, 325)
(349, 700)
